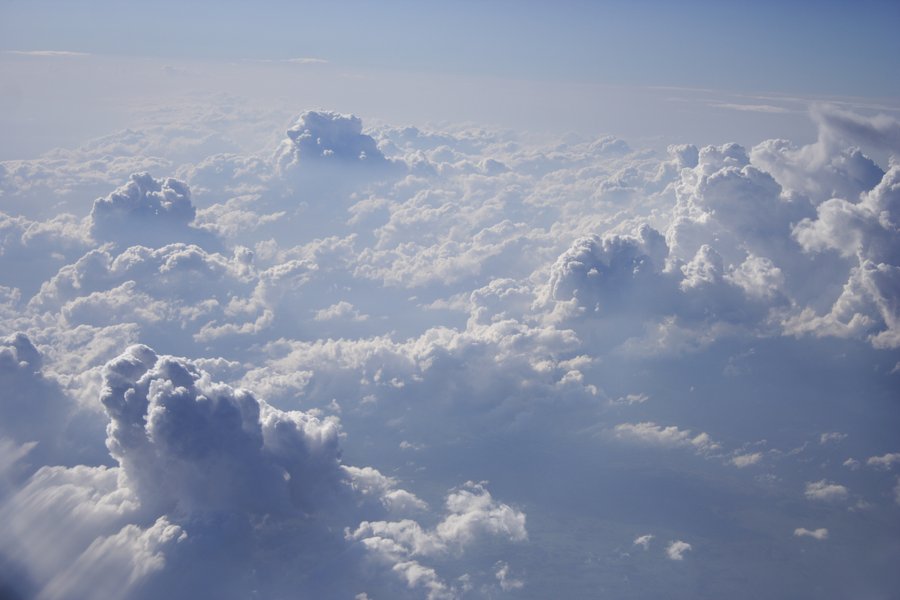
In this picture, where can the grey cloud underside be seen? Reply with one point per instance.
(450, 364)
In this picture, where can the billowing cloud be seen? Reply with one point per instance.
(352, 322)
(147, 211)
(201, 463)
(323, 136)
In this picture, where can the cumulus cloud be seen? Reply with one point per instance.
(472, 514)
(323, 136)
(476, 296)
(885, 461)
(147, 211)
(192, 452)
(676, 550)
(826, 491)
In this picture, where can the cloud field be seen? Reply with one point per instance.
(401, 362)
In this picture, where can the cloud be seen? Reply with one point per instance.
(745, 460)
(651, 434)
(484, 298)
(826, 491)
(507, 583)
(199, 464)
(147, 211)
(300, 60)
(37, 418)
(761, 108)
(885, 461)
(676, 549)
(879, 131)
(472, 514)
(323, 136)
(816, 534)
(832, 437)
(47, 53)
(306, 61)
(342, 310)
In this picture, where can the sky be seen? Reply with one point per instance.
(449, 300)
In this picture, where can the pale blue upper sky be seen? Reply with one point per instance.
(838, 48)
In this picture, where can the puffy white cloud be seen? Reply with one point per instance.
(867, 232)
(321, 136)
(643, 540)
(147, 211)
(480, 297)
(342, 310)
(193, 452)
(826, 491)
(746, 460)
(817, 534)
(676, 550)
(472, 514)
(185, 441)
(885, 461)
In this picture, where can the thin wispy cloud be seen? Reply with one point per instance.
(46, 53)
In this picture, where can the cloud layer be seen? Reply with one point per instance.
(357, 362)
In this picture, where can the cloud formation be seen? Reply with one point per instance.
(350, 322)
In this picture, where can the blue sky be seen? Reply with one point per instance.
(831, 47)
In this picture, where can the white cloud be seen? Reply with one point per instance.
(676, 549)
(745, 460)
(476, 290)
(189, 449)
(343, 310)
(826, 491)
(46, 53)
(885, 461)
(651, 434)
(832, 437)
(816, 534)
(852, 464)
(629, 399)
(472, 514)
(319, 136)
(507, 583)
(763, 108)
